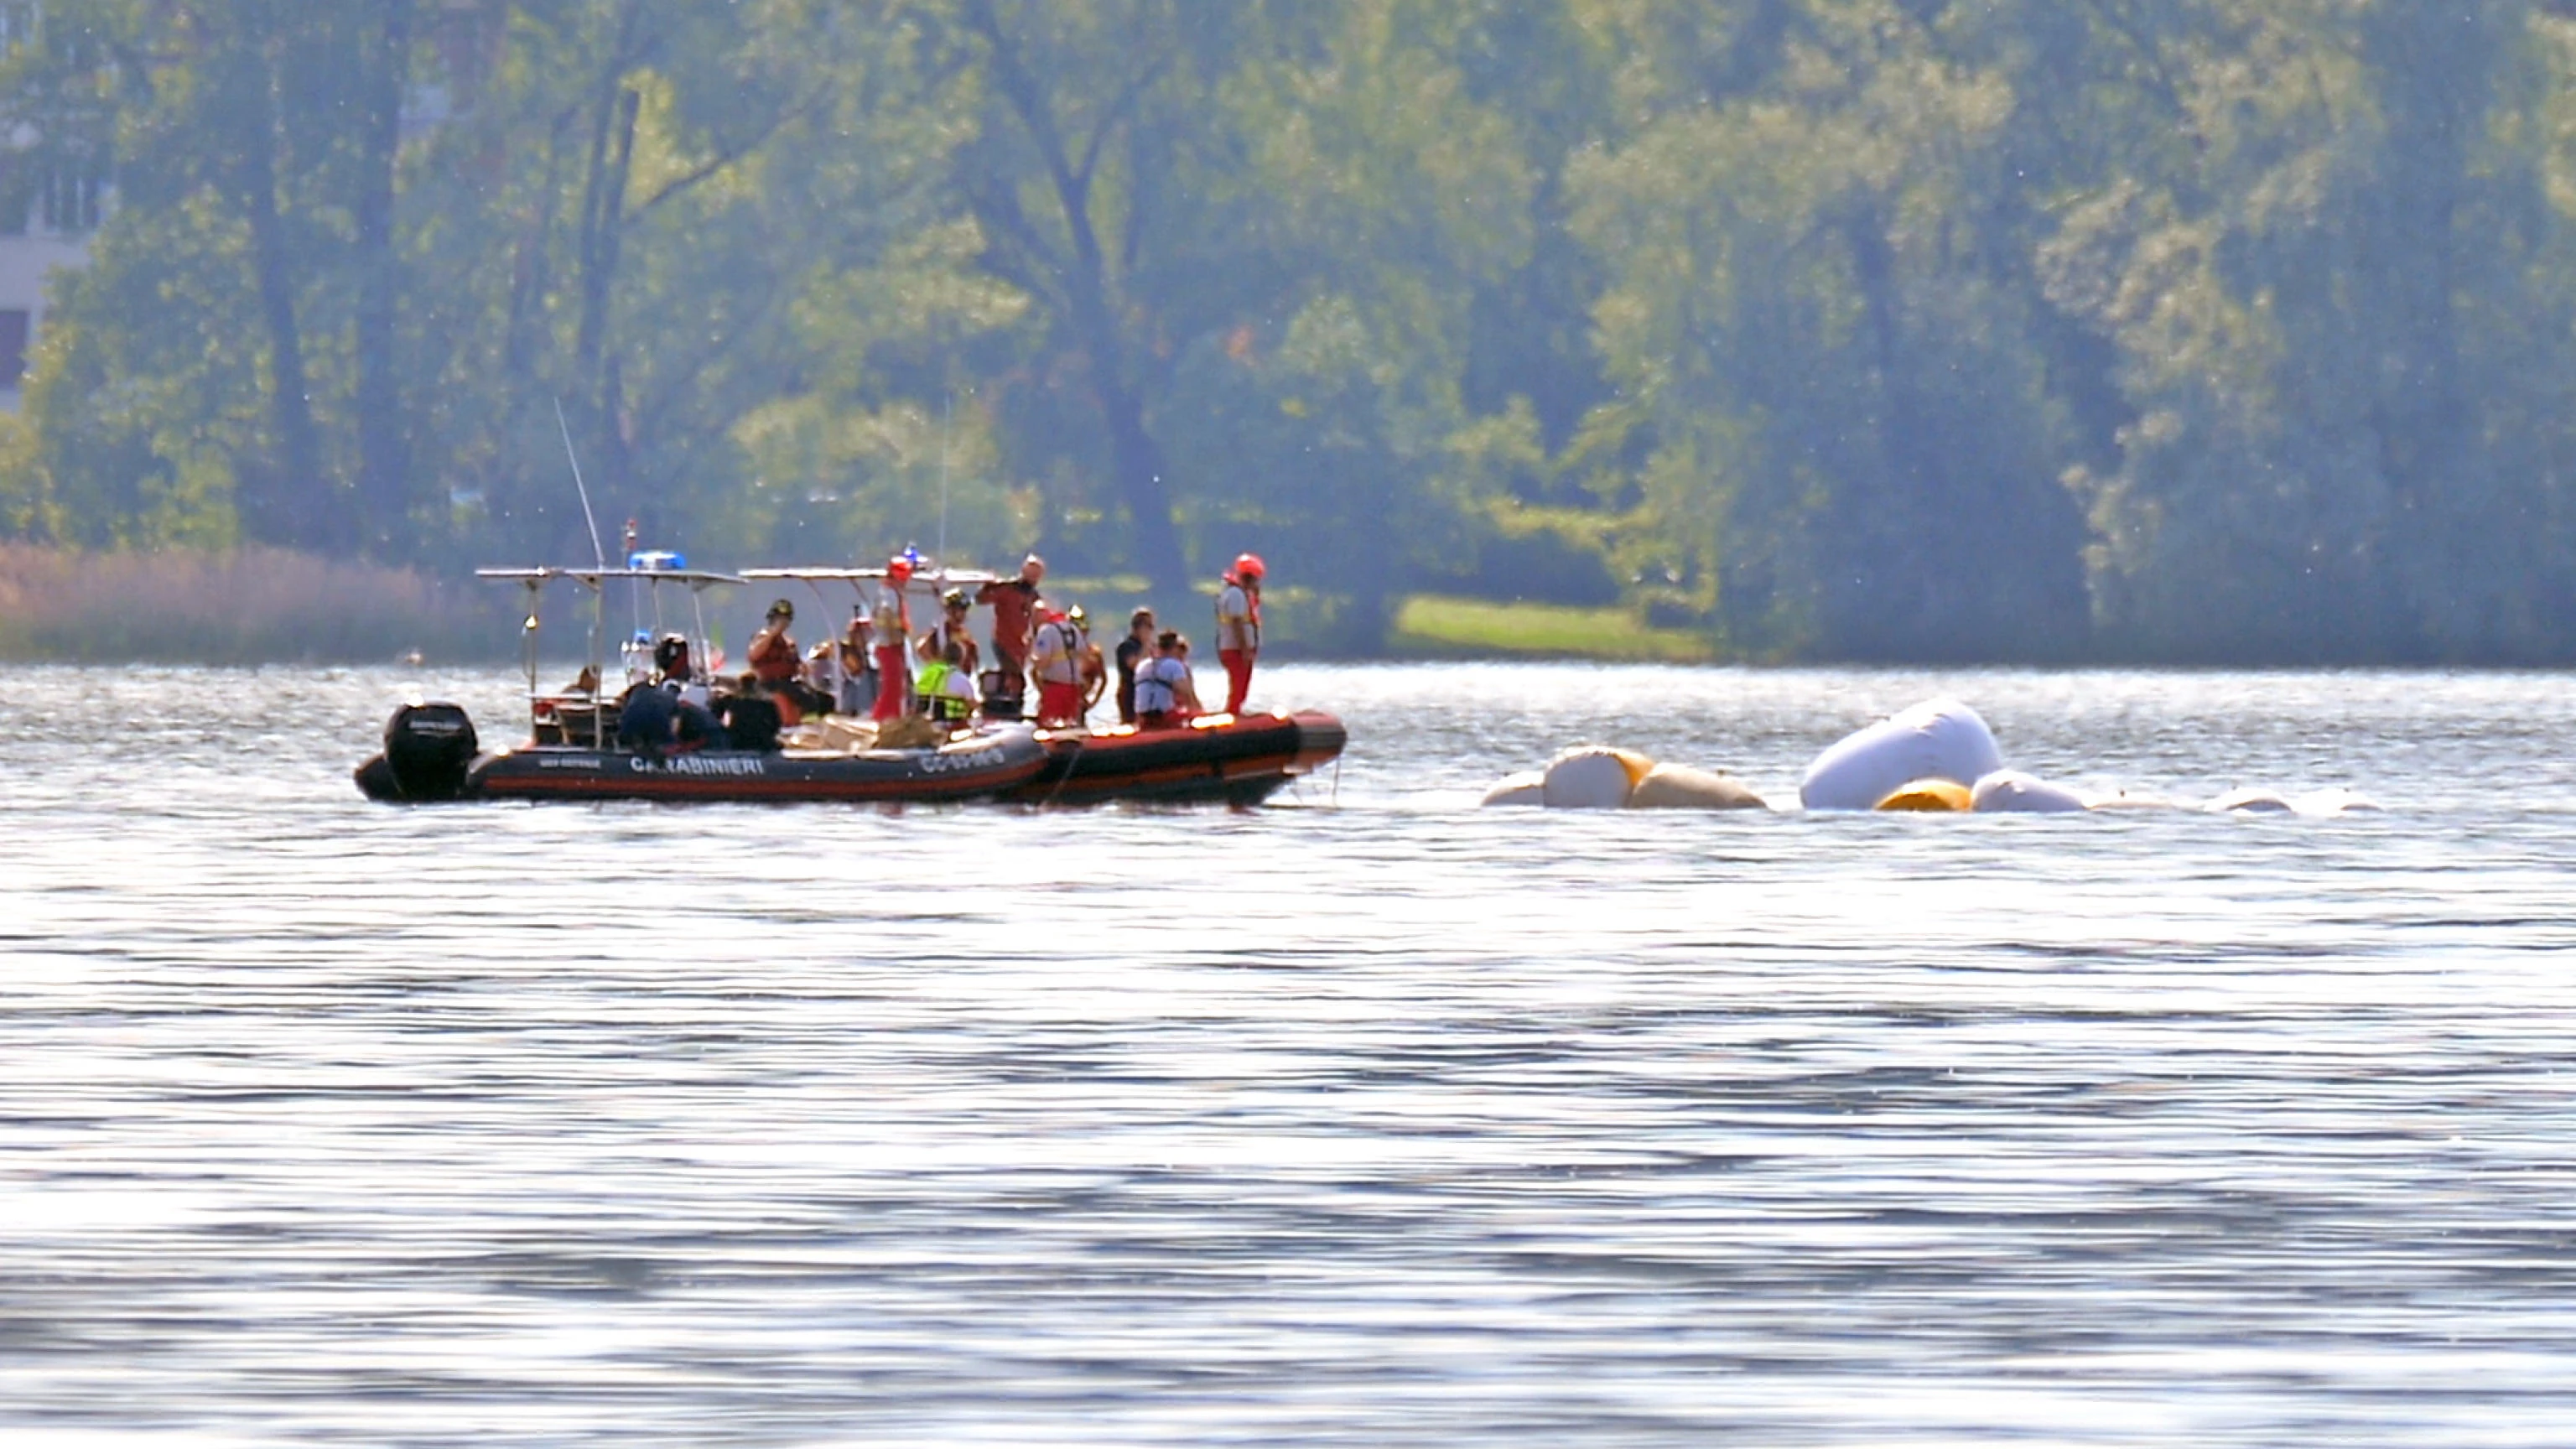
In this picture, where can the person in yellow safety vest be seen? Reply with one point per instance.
(947, 688)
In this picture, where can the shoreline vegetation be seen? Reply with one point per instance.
(1436, 626)
(259, 605)
(252, 605)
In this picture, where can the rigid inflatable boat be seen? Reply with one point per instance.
(1223, 758)
(431, 752)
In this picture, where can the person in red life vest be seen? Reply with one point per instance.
(777, 669)
(1055, 655)
(1015, 611)
(890, 632)
(1238, 626)
(1166, 695)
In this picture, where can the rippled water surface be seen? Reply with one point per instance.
(1368, 1118)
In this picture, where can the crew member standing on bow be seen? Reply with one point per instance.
(1055, 654)
(890, 635)
(1015, 612)
(1238, 627)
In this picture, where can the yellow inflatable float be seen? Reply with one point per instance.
(1934, 796)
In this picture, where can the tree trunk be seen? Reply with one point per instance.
(295, 505)
(611, 159)
(1135, 459)
(383, 464)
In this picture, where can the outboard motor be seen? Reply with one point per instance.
(428, 748)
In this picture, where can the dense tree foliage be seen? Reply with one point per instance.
(1905, 329)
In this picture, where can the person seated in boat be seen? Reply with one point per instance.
(775, 664)
(1133, 651)
(951, 629)
(1166, 696)
(1053, 657)
(823, 674)
(947, 688)
(654, 720)
(676, 672)
(751, 716)
(671, 664)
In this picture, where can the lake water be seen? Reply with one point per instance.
(1364, 1119)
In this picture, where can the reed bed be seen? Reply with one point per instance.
(246, 606)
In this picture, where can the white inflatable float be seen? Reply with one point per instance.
(2010, 792)
(1939, 739)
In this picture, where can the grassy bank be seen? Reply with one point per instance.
(251, 606)
(1431, 626)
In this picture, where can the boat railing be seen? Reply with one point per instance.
(579, 713)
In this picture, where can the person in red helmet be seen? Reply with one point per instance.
(1238, 626)
(891, 641)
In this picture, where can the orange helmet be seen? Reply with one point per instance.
(1249, 566)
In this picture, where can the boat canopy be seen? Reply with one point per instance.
(928, 577)
(594, 576)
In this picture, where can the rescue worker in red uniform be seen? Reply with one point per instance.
(1238, 627)
(1015, 610)
(891, 635)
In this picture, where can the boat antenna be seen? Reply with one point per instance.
(596, 551)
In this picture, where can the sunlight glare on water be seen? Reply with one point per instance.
(1369, 1117)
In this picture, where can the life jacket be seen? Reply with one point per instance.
(1251, 621)
(1154, 692)
(1054, 656)
(932, 685)
(773, 658)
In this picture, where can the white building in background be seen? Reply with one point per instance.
(46, 217)
(28, 254)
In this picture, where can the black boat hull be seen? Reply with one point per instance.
(971, 769)
(1223, 760)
